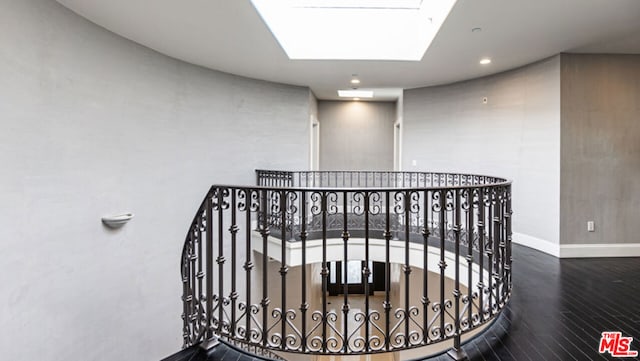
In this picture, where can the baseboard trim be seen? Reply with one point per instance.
(600, 250)
(536, 243)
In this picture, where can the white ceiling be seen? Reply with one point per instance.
(229, 35)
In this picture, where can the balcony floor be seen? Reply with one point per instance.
(561, 307)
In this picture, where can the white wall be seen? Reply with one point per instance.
(314, 133)
(600, 155)
(93, 124)
(515, 135)
(397, 134)
(356, 135)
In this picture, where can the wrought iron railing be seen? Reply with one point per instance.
(258, 261)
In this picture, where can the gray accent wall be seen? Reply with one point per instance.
(600, 176)
(356, 135)
(516, 134)
(92, 124)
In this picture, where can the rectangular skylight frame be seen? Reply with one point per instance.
(354, 93)
(354, 29)
(360, 4)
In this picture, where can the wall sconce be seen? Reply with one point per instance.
(117, 221)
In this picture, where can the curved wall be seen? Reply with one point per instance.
(516, 134)
(93, 124)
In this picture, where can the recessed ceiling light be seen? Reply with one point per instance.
(354, 29)
(356, 99)
(476, 30)
(355, 81)
(485, 61)
(355, 93)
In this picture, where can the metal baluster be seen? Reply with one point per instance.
(345, 260)
(248, 265)
(456, 352)
(497, 231)
(304, 306)
(283, 266)
(503, 244)
(509, 239)
(233, 230)
(442, 264)
(195, 296)
(199, 276)
(425, 267)
(366, 272)
(470, 212)
(490, 249)
(209, 262)
(264, 230)
(324, 272)
(481, 240)
(220, 260)
(407, 266)
(387, 272)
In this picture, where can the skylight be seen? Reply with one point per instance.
(354, 29)
(355, 93)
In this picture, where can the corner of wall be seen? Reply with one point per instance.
(598, 155)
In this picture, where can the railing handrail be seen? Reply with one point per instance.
(360, 189)
(440, 209)
(499, 180)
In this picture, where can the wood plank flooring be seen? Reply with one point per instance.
(561, 307)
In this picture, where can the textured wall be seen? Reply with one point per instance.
(600, 148)
(356, 135)
(93, 124)
(515, 135)
(314, 133)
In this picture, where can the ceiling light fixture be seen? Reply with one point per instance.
(355, 93)
(356, 99)
(354, 29)
(355, 81)
(485, 61)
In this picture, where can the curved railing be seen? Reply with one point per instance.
(272, 266)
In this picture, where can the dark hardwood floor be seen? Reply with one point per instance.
(561, 307)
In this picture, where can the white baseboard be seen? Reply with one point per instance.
(600, 250)
(537, 243)
(578, 250)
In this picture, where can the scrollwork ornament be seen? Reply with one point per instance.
(242, 199)
(375, 204)
(414, 202)
(357, 203)
(436, 201)
(331, 202)
(399, 202)
(275, 203)
(317, 202)
(450, 200)
(292, 197)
